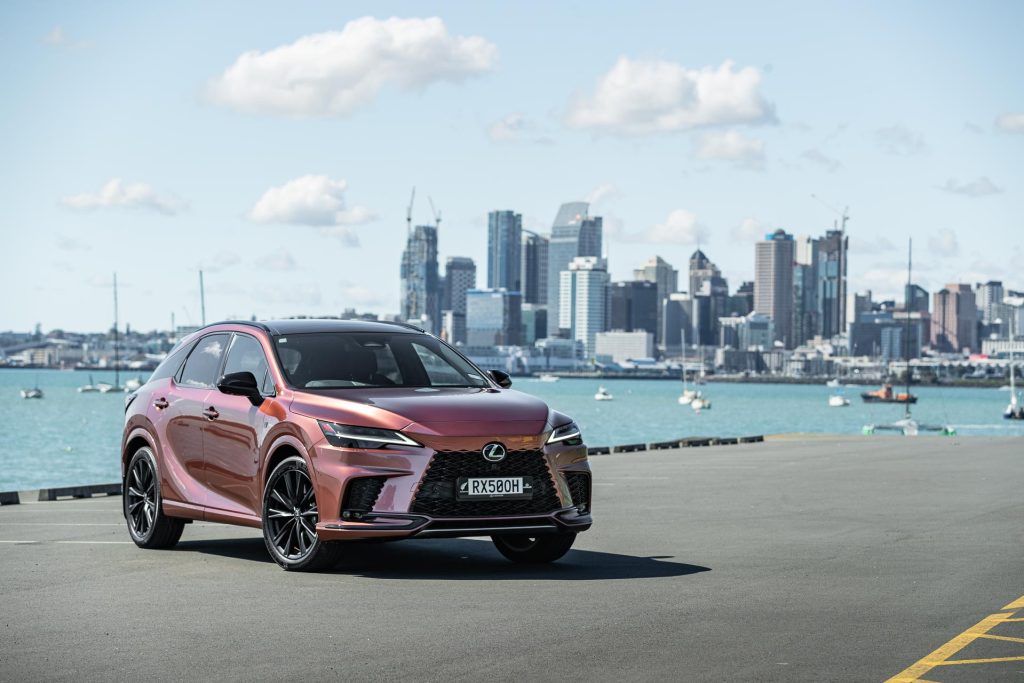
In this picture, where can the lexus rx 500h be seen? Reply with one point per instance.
(323, 431)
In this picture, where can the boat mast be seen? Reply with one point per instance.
(117, 375)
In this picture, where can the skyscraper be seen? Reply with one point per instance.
(459, 277)
(583, 304)
(504, 250)
(660, 272)
(709, 292)
(493, 317)
(420, 283)
(633, 306)
(955, 319)
(535, 268)
(773, 283)
(573, 234)
(831, 283)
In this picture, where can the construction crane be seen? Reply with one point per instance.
(437, 214)
(844, 215)
(408, 213)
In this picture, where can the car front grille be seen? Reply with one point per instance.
(579, 489)
(436, 496)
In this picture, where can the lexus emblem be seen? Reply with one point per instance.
(493, 452)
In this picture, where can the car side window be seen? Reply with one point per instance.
(246, 355)
(201, 368)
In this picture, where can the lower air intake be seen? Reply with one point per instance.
(579, 489)
(361, 494)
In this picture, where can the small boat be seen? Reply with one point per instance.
(838, 401)
(686, 398)
(35, 392)
(88, 388)
(700, 402)
(886, 395)
(603, 395)
(105, 388)
(547, 377)
(133, 384)
(833, 383)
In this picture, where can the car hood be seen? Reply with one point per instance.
(446, 410)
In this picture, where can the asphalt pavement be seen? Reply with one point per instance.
(798, 559)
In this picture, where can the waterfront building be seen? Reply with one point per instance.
(773, 283)
(677, 323)
(504, 250)
(619, 346)
(493, 317)
(534, 275)
(753, 332)
(954, 319)
(420, 281)
(573, 234)
(583, 300)
(459, 278)
(666, 278)
(633, 305)
(535, 323)
(989, 297)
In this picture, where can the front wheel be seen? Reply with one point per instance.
(148, 526)
(289, 520)
(534, 549)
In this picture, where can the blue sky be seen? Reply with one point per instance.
(275, 145)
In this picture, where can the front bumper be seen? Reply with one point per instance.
(397, 526)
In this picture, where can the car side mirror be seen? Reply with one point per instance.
(241, 384)
(501, 378)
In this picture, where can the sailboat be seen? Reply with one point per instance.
(1014, 411)
(88, 388)
(686, 398)
(116, 387)
(908, 426)
(34, 392)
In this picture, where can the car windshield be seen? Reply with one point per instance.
(333, 360)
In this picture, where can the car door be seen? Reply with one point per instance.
(233, 435)
(182, 406)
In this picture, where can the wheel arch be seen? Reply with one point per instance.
(136, 439)
(282, 449)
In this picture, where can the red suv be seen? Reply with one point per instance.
(321, 431)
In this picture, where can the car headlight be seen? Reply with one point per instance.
(349, 436)
(569, 433)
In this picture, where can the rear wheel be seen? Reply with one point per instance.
(290, 515)
(148, 526)
(534, 549)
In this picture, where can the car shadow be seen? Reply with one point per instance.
(462, 559)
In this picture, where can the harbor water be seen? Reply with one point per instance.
(68, 438)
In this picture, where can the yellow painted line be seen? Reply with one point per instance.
(1009, 639)
(913, 672)
(1018, 619)
(1016, 604)
(991, 660)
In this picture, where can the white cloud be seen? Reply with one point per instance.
(730, 146)
(509, 128)
(944, 243)
(818, 157)
(279, 261)
(681, 227)
(749, 230)
(900, 141)
(1011, 122)
(980, 187)
(314, 200)
(602, 193)
(336, 72)
(637, 97)
(117, 193)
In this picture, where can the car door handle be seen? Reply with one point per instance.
(160, 403)
(211, 413)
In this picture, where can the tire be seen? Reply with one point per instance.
(143, 510)
(290, 515)
(534, 549)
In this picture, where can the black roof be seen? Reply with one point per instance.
(300, 326)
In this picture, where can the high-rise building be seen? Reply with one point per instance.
(633, 306)
(773, 283)
(660, 272)
(574, 233)
(831, 283)
(535, 268)
(989, 296)
(677, 323)
(915, 298)
(709, 292)
(741, 302)
(955, 319)
(420, 281)
(459, 278)
(583, 299)
(504, 250)
(493, 317)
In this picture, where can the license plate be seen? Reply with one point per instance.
(476, 488)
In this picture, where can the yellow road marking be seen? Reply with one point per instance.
(1018, 619)
(1016, 604)
(990, 660)
(1006, 638)
(913, 672)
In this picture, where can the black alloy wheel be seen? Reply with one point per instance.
(534, 549)
(290, 515)
(148, 526)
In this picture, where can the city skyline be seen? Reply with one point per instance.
(121, 146)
